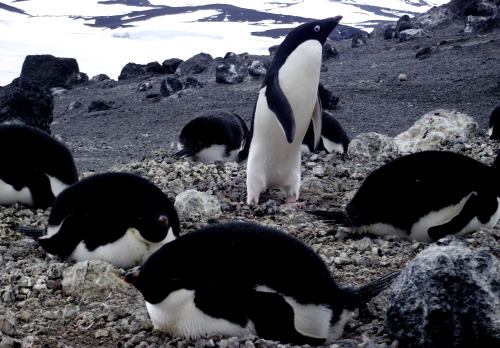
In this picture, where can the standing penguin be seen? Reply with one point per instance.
(494, 124)
(215, 136)
(287, 102)
(239, 278)
(35, 166)
(333, 137)
(424, 196)
(119, 218)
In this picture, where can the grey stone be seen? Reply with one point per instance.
(448, 296)
(195, 202)
(169, 86)
(257, 69)
(434, 128)
(410, 34)
(93, 278)
(197, 64)
(372, 146)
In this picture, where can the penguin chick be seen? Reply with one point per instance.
(424, 196)
(238, 279)
(286, 104)
(333, 137)
(215, 136)
(494, 124)
(119, 218)
(36, 167)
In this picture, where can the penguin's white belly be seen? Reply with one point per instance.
(9, 195)
(419, 230)
(216, 153)
(56, 185)
(331, 146)
(178, 315)
(128, 251)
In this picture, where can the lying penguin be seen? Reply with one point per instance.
(239, 278)
(119, 218)
(424, 196)
(286, 104)
(35, 166)
(215, 136)
(333, 137)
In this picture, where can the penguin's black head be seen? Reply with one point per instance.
(314, 30)
(159, 275)
(155, 225)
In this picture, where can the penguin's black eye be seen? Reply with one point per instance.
(317, 28)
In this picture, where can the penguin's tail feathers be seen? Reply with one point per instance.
(336, 216)
(365, 293)
(31, 232)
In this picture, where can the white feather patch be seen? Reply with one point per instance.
(178, 315)
(311, 320)
(9, 195)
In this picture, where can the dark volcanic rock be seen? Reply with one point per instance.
(171, 65)
(448, 296)
(169, 86)
(100, 105)
(195, 65)
(257, 69)
(232, 69)
(27, 102)
(50, 71)
(133, 70)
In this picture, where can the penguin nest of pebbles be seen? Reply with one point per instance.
(36, 309)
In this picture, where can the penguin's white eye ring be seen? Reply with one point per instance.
(317, 28)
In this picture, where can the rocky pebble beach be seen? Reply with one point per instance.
(47, 302)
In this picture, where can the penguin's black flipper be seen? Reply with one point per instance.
(182, 153)
(337, 216)
(31, 232)
(366, 292)
(279, 105)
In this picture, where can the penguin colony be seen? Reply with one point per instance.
(287, 292)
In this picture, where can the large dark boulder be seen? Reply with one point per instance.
(171, 65)
(25, 101)
(135, 71)
(448, 296)
(50, 71)
(197, 64)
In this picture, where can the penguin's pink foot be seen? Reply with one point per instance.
(291, 201)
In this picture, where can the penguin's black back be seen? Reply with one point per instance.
(331, 129)
(113, 198)
(407, 188)
(27, 150)
(238, 257)
(494, 123)
(215, 128)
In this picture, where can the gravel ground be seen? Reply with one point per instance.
(462, 74)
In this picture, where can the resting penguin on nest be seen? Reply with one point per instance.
(333, 137)
(424, 196)
(119, 218)
(35, 166)
(216, 136)
(287, 102)
(240, 279)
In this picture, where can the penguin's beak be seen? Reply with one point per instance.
(337, 19)
(132, 277)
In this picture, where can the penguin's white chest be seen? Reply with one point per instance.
(178, 315)
(9, 195)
